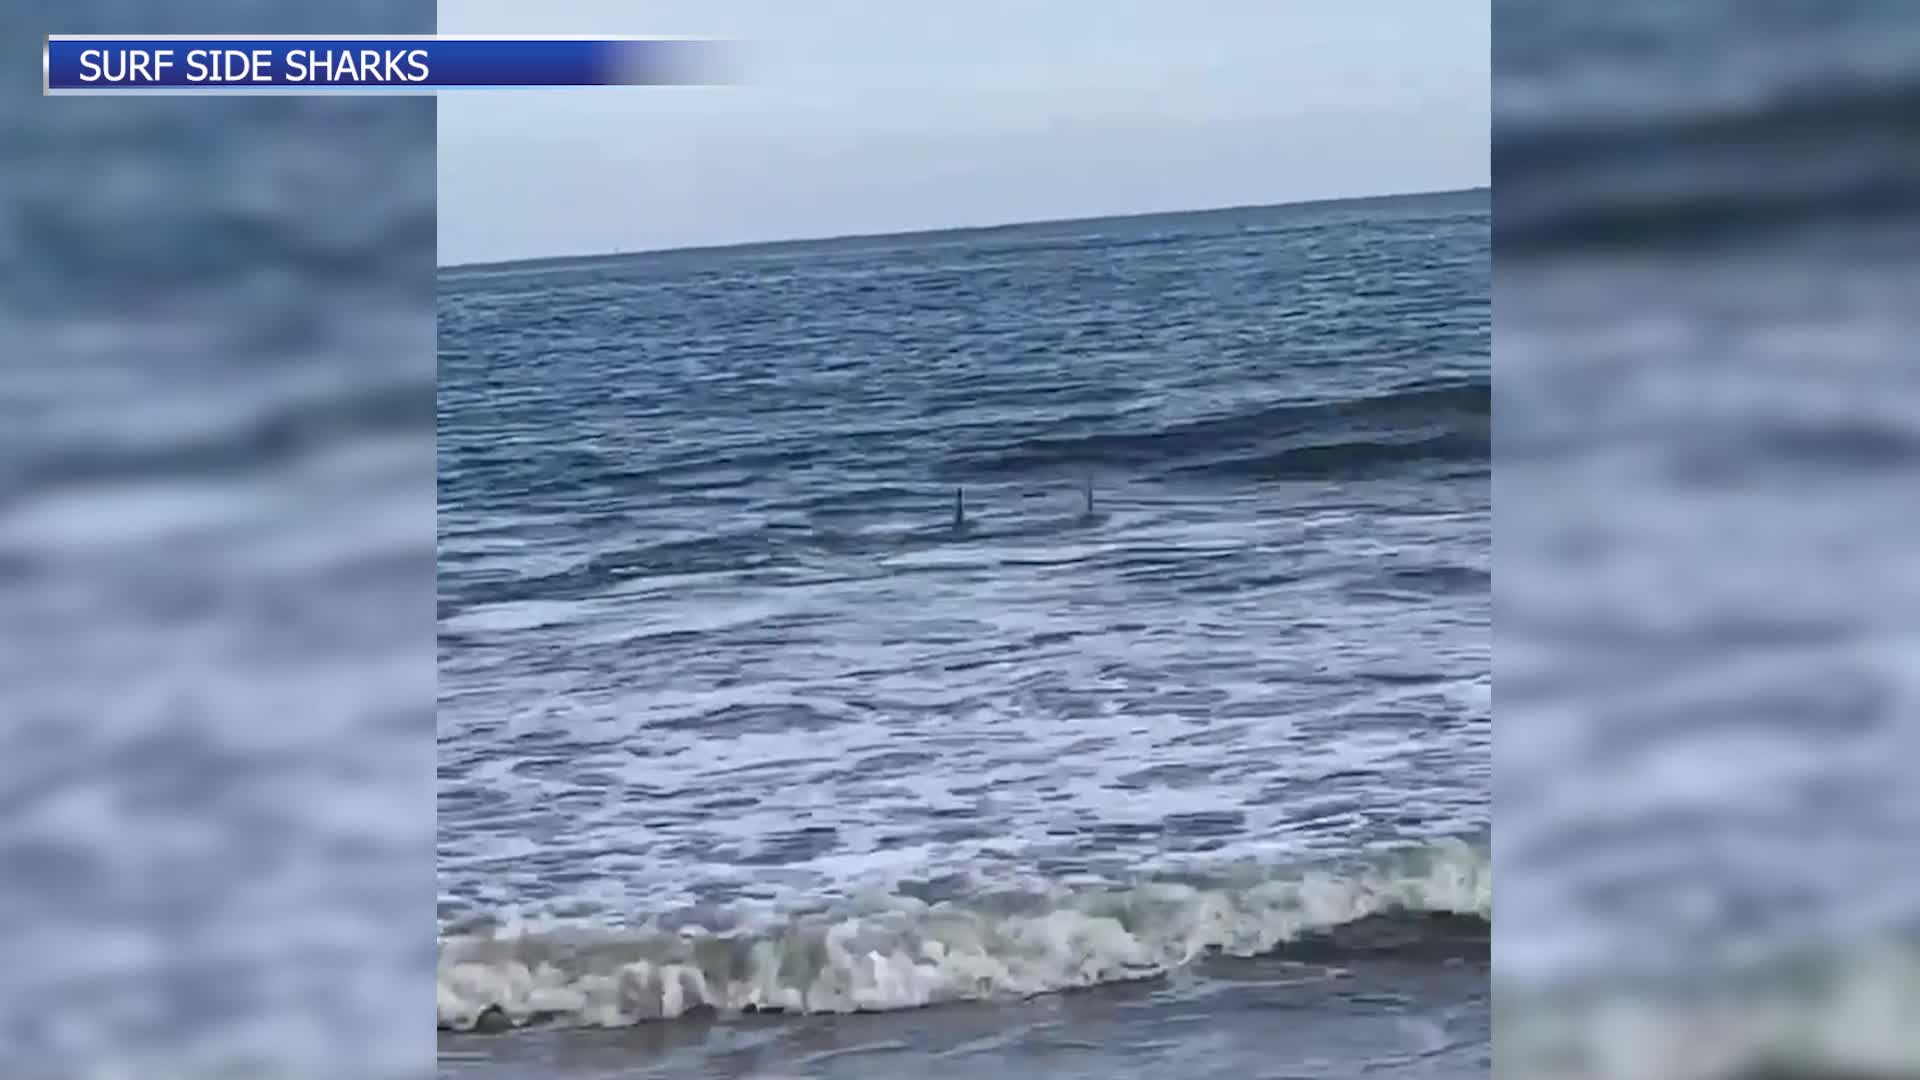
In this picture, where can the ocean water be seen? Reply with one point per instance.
(216, 559)
(1709, 427)
(751, 763)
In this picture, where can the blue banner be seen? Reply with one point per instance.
(377, 65)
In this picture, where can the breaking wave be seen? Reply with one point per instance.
(899, 952)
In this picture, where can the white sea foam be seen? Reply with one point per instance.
(900, 952)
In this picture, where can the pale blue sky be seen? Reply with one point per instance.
(864, 116)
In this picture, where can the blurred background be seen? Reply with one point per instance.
(1708, 419)
(216, 567)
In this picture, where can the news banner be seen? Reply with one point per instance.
(396, 64)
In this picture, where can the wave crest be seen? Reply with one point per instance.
(897, 952)
(1437, 419)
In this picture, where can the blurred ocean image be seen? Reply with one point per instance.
(1707, 588)
(216, 566)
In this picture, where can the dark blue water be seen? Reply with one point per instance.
(735, 719)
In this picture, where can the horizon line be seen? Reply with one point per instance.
(533, 260)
